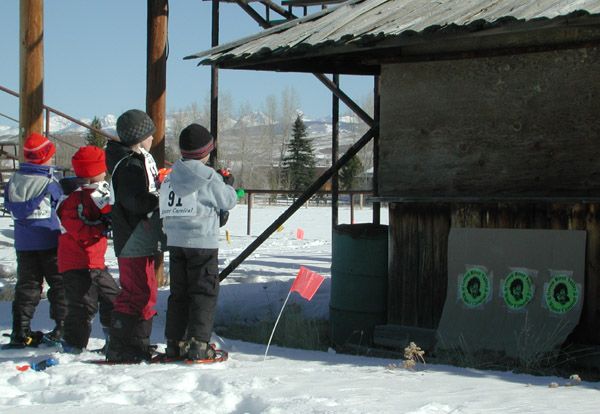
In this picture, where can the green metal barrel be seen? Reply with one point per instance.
(359, 280)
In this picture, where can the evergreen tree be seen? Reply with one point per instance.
(349, 173)
(94, 138)
(299, 162)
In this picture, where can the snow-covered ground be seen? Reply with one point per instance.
(289, 380)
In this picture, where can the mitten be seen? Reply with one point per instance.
(227, 176)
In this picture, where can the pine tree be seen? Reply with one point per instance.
(299, 163)
(93, 137)
(349, 173)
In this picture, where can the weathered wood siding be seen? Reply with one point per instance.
(418, 274)
(519, 125)
(522, 127)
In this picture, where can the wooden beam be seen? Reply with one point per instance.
(31, 102)
(156, 74)
(214, 84)
(314, 187)
(278, 9)
(335, 141)
(252, 13)
(346, 99)
(376, 116)
(156, 92)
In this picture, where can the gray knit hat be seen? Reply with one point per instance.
(134, 126)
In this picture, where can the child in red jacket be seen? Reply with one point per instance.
(81, 249)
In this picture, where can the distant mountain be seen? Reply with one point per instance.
(251, 122)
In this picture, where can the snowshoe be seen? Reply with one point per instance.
(32, 339)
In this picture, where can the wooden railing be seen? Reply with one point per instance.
(49, 110)
(318, 198)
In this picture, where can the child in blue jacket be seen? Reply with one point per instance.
(31, 197)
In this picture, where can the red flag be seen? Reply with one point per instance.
(307, 283)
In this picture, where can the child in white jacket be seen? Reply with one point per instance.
(191, 198)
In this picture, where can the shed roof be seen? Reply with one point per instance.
(357, 36)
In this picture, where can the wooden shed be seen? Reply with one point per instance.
(489, 118)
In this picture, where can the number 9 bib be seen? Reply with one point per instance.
(171, 205)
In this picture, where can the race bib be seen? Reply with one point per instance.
(171, 205)
(43, 211)
(151, 170)
(101, 195)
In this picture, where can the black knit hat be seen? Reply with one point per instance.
(134, 126)
(195, 142)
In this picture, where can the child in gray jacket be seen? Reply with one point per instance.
(191, 198)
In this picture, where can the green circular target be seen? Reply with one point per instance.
(517, 290)
(475, 287)
(561, 294)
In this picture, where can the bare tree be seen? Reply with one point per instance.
(290, 102)
(270, 110)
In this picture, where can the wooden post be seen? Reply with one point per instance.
(214, 84)
(376, 112)
(335, 137)
(31, 102)
(249, 223)
(156, 74)
(156, 91)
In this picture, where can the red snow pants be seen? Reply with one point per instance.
(138, 287)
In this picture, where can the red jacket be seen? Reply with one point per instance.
(82, 214)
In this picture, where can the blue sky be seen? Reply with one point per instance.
(95, 59)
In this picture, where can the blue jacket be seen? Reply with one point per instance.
(31, 197)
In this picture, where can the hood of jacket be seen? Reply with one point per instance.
(184, 178)
(36, 169)
(115, 152)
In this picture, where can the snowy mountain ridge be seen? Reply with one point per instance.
(61, 126)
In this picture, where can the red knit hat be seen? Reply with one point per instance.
(38, 149)
(89, 161)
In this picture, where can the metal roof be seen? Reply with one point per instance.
(359, 26)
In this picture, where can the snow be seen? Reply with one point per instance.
(289, 380)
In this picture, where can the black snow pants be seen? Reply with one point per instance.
(32, 268)
(194, 285)
(88, 291)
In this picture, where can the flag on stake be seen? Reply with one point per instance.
(299, 233)
(228, 236)
(307, 283)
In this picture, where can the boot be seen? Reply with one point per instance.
(173, 348)
(198, 350)
(129, 339)
(106, 332)
(56, 334)
(22, 336)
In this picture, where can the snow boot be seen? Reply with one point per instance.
(20, 339)
(56, 334)
(22, 336)
(198, 350)
(129, 339)
(174, 348)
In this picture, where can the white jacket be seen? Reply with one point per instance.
(194, 226)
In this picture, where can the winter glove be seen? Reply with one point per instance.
(227, 176)
(223, 217)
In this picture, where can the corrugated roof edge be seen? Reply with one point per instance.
(218, 54)
(267, 32)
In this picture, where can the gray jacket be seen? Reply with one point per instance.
(212, 195)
